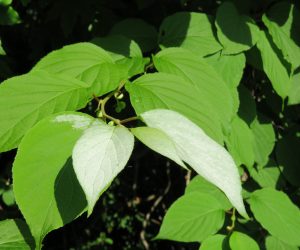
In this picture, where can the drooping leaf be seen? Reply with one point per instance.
(282, 31)
(236, 32)
(212, 89)
(274, 69)
(73, 59)
(138, 30)
(272, 243)
(15, 234)
(215, 242)
(294, 92)
(199, 184)
(26, 99)
(264, 141)
(99, 156)
(159, 142)
(45, 185)
(240, 143)
(190, 30)
(204, 155)
(276, 213)
(238, 241)
(192, 218)
(161, 90)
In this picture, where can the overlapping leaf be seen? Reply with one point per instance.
(239, 241)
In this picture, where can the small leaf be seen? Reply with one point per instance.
(240, 241)
(189, 30)
(276, 213)
(236, 32)
(15, 234)
(99, 156)
(8, 197)
(8, 16)
(215, 242)
(204, 155)
(26, 99)
(192, 218)
(50, 196)
(139, 31)
(272, 243)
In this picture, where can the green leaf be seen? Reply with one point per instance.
(199, 184)
(73, 59)
(5, 2)
(26, 99)
(139, 31)
(282, 31)
(287, 155)
(211, 87)
(192, 218)
(294, 93)
(161, 90)
(215, 242)
(2, 51)
(276, 213)
(272, 243)
(124, 51)
(50, 196)
(159, 142)
(273, 67)
(8, 197)
(8, 16)
(15, 234)
(236, 32)
(205, 156)
(264, 141)
(239, 143)
(240, 241)
(99, 156)
(190, 30)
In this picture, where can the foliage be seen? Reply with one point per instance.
(216, 92)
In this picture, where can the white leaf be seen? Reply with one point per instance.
(208, 158)
(98, 156)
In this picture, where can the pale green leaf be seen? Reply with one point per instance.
(45, 185)
(282, 31)
(73, 59)
(190, 30)
(192, 218)
(277, 214)
(161, 90)
(212, 89)
(236, 32)
(15, 234)
(26, 99)
(199, 184)
(273, 67)
(294, 92)
(138, 30)
(215, 242)
(205, 156)
(159, 142)
(239, 241)
(272, 243)
(99, 156)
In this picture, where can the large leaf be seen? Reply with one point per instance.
(193, 217)
(26, 99)
(204, 155)
(273, 67)
(161, 90)
(190, 30)
(282, 30)
(272, 243)
(15, 234)
(45, 185)
(240, 241)
(212, 88)
(276, 213)
(236, 32)
(98, 156)
(294, 92)
(73, 59)
(138, 30)
(215, 242)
